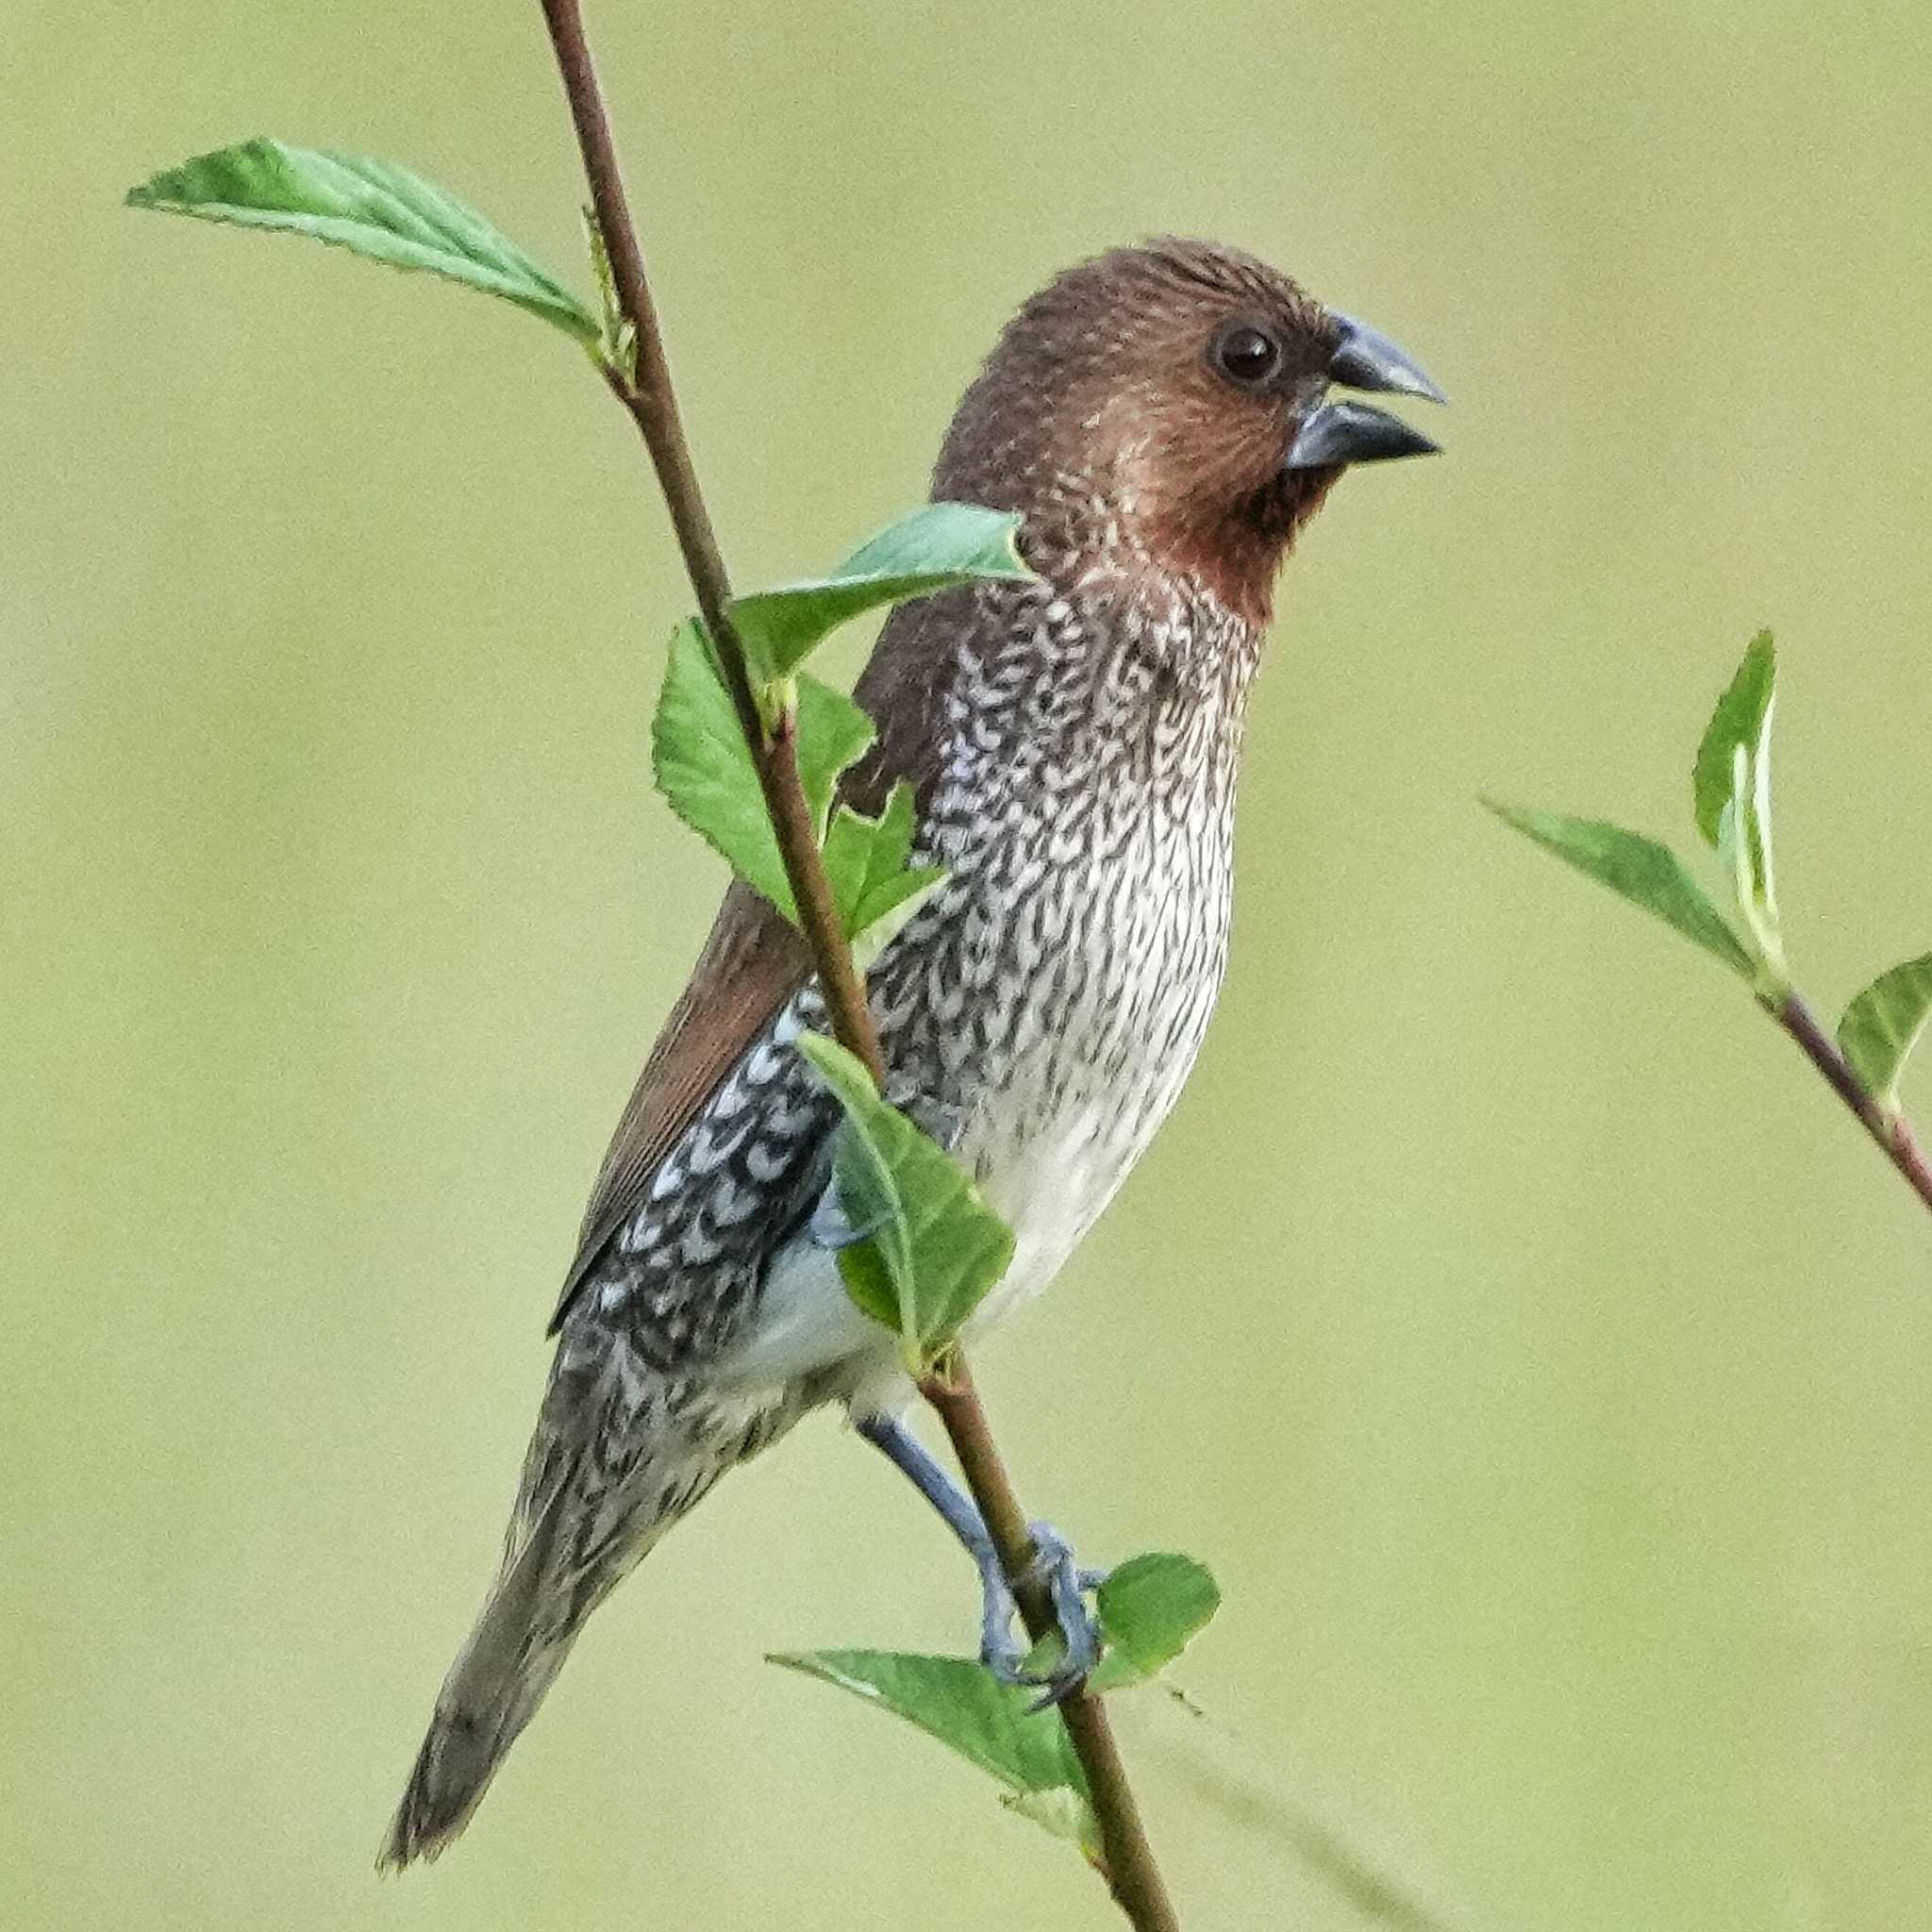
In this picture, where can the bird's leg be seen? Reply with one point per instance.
(1066, 1584)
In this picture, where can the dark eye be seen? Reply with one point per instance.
(1247, 354)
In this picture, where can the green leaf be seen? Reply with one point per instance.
(936, 1242)
(867, 1279)
(1061, 1812)
(618, 341)
(833, 733)
(967, 1710)
(1645, 873)
(1882, 1025)
(1743, 717)
(1151, 1608)
(704, 767)
(1731, 790)
(889, 914)
(865, 860)
(933, 548)
(373, 208)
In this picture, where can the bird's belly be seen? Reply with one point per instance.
(1048, 1180)
(1051, 1144)
(805, 1324)
(1056, 1086)
(1049, 1186)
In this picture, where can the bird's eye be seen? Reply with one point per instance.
(1247, 354)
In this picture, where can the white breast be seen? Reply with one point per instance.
(1052, 996)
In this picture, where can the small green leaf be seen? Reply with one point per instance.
(933, 548)
(1061, 1812)
(1645, 873)
(618, 342)
(1882, 1025)
(890, 912)
(833, 733)
(703, 765)
(861, 1267)
(1731, 790)
(866, 862)
(967, 1710)
(1743, 717)
(1151, 1608)
(937, 1243)
(372, 207)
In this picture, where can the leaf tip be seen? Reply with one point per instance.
(153, 192)
(1513, 815)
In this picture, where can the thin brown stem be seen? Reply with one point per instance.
(652, 401)
(1126, 1859)
(818, 912)
(1889, 1128)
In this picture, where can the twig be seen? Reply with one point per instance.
(1887, 1128)
(652, 405)
(1126, 1858)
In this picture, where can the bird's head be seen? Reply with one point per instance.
(1165, 410)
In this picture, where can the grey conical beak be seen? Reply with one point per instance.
(1335, 433)
(1366, 358)
(1354, 433)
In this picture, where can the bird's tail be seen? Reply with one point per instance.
(492, 1690)
(584, 1520)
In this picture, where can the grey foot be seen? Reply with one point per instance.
(1004, 1652)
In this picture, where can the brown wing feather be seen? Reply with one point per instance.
(755, 960)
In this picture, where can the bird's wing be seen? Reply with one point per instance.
(755, 960)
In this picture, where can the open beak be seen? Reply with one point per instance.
(1335, 433)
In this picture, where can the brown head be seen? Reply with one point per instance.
(1165, 409)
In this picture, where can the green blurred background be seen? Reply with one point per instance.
(1530, 1342)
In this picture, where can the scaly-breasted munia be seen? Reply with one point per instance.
(1159, 417)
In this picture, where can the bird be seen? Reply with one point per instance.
(1161, 418)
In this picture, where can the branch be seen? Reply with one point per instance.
(1889, 1128)
(652, 402)
(1126, 1859)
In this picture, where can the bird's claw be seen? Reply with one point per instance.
(1066, 1584)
